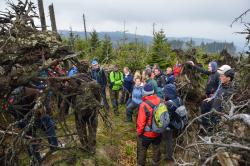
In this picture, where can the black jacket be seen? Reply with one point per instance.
(223, 93)
(100, 76)
(212, 82)
(161, 80)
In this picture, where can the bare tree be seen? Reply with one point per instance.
(85, 30)
(52, 18)
(41, 14)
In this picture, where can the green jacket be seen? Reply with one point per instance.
(116, 80)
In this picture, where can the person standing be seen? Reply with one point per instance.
(145, 138)
(170, 76)
(211, 87)
(223, 93)
(127, 85)
(161, 81)
(116, 82)
(150, 79)
(98, 74)
(173, 101)
(136, 99)
(177, 69)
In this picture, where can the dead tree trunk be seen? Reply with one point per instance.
(85, 30)
(42, 16)
(52, 18)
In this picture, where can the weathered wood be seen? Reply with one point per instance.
(85, 30)
(41, 14)
(52, 18)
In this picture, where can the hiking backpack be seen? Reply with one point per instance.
(179, 118)
(160, 117)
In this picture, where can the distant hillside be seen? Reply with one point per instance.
(118, 36)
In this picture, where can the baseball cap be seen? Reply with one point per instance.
(94, 62)
(223, 69)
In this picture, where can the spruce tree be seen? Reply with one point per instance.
(106, 54)
(161, 51)
(94, 41)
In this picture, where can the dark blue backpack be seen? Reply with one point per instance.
(178, 117)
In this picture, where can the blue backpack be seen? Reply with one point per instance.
(178, 118)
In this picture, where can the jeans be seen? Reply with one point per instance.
(47, 102)
(129, 110)
(142, 147)
(45, 123)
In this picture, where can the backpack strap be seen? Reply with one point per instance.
(147, 117)
(173, 103)
(148, 113)
(180, 102)
(150, 104)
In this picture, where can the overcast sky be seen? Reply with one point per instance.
(178, 18)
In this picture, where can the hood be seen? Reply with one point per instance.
(214, 66)
(170, 91)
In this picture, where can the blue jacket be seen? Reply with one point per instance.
(170, 79)
(137, 94)
(128, 82)
(72, 71)
(170, 94)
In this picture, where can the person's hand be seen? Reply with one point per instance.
(208, 99)
(190, 62)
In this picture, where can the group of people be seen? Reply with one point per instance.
(142, 92)
(152, 85)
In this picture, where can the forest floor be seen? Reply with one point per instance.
(115, 146)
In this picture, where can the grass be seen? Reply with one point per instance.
(116, 146)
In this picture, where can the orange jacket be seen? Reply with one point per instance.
(141, 119)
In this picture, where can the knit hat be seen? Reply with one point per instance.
(170, 91)
(148, 90)
(214, 66)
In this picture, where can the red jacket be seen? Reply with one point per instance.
(141, 120)
(177, 70)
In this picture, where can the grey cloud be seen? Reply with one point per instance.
(185, 17)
